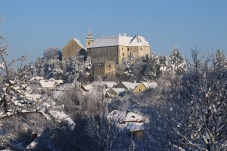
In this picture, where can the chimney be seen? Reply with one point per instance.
(33, 136)
(125, 34)
(119, 34)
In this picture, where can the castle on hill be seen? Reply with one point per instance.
(106, 52)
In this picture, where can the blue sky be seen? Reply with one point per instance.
(33, 26)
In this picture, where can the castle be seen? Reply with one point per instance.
(106, 52)
(118, 49)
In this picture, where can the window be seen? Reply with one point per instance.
(123, 54)
(88, 43)
(128, 49)
(141, 48)
(122, 48)
(109, 66)
(99, 65)
(139, 90)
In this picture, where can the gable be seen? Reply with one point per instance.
(71, 48)
(120, 85)
(140, 88)
(112, 92)
(73, 44)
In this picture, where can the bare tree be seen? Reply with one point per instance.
(106, 133)
(198, 106)
(51, 53)
(15, 88)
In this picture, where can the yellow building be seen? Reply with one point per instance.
(136, 87)
(118, 49)
(143, 86)
(72, 48)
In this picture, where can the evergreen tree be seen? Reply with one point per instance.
(177, 62)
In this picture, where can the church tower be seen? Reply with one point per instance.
(89, 39)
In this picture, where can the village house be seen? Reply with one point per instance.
(129, 86)
(60, 89)
(50, 84)
(143, 86)
(134, 122)
(115, 92)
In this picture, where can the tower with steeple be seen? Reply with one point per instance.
(89, 39)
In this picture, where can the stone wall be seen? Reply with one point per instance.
(103, 54)
(104, 68)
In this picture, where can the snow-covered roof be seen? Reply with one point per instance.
(57, 81)
(57, 94)
(88, 87)
(130, 120)
(130, 85)
(117, 115)
(131, 116)
(64, 87)
(78, 42)
(150, 84)
(36, 78)
(110, 84)
(120, 41)
(51, 83)
(119, 90)
(47, 83)
(105, 90)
